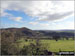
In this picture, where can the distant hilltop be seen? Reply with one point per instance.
(21, 32)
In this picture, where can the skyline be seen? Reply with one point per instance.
(38, 15)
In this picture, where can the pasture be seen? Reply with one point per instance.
(51, 45)
(61, 45)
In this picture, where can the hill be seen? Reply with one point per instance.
(24, 40)
(66, 33)
(22, 32)
(19, 32)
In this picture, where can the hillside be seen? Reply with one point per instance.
(68, 33)
(21, 32)
(25, 41)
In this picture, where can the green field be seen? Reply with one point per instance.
(55, 46)
(51, 45)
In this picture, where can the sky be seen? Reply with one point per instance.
(37, 15)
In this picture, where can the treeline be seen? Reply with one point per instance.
(56, 33)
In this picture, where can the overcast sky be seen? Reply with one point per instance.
(48, 15)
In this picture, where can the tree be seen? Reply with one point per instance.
(67, 38)
(56, 38)
(7, 38)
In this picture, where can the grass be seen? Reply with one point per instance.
(51, 45)
(61, 45)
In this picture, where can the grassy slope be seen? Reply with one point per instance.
(52, 45)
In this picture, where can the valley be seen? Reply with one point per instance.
(35, 42)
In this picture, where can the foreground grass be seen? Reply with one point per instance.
(61, 45)
(51, 45)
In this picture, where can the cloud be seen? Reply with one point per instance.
(48, 17)
(40, 24)
(45, 25)
(43, 10)
(56, 26)
(33, 23)
(65, 25)
(18, 19)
